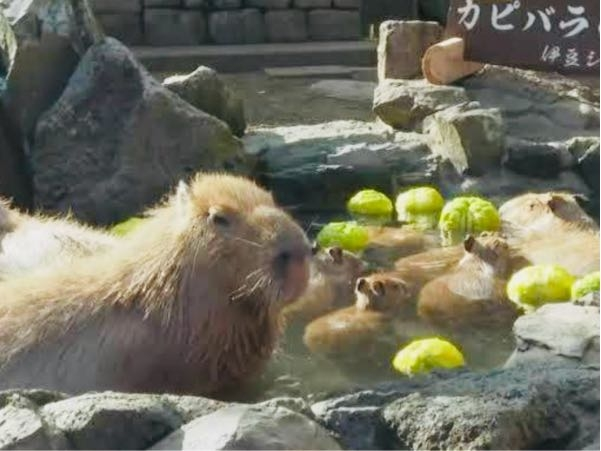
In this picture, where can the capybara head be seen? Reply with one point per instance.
(490, 249)
(534, 210)
(338, 263)
(253, 247)
(381, 292)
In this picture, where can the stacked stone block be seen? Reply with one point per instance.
(196, 22)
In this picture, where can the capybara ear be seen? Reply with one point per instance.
(468, 243)
(336, 254)
(555, 202)
(361, 284)
(378, 288)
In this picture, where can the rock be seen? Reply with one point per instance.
(536, 406)
(205, 90)
(245, 26)
(21, 427)
(198, 4)
(15, 180)
(589, 300)
(287, 25)
(227, 4)
(116, 6)
(250, 427)
(332, 25)
(268, 4)
(350, 90)
(347, 4)
(126, 27)
(165, 27)
(332, 161)
(112, 420)
(543, 160)
(106, 154)
(472, 138)
(402, 45)
(161, 3)
(403, 104)
(42, 48)
(536, 106)
(312, 4)
(588, 166)
(564, 330)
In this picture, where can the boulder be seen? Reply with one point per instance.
(563, 331)
(199, 4)
(245, 26)
(166, 27)
(105, 154)
(42, 43)
(250, 427)
(402, 45)
(403, 104)
(542, 160)
(312, 4)
(544, 405)
(286, 25)
(116, 6)
(332, 25)
(347, 4)
(205, 90)
(470, 137)
(332, 161)
(227, 4)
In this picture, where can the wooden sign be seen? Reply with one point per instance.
(551, 35)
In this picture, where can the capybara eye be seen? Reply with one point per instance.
(220, 220)
(283, 258)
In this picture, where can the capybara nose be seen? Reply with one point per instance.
(295, 265)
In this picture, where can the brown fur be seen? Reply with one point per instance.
(388, 244)
(333, 275)
(551, 228)
(189, 303)
(29, 242)
(359, 328)
(474, 293)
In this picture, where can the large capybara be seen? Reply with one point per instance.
(388, 244)
(331, 285)
(362, 327)
(30, 242)
(473, 293)
(551, 228)
(189, 302)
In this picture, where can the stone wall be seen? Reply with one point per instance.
(194, 22)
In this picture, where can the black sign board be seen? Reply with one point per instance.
(551, 35)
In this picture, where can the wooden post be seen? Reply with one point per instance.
(443, 62)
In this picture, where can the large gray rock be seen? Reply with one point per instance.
(245, 26)
(401, 46)
(106, 154)
(470, 137)
(331, 25)
(333, 160)
(122, 421)
(248, 427)
(312, 4)
(565, 331)
(403, 104)
(544, 160)
(165, 27)
(205, 90)
(268, 4)
(287, 25)
(116, 6)
(527, 407)
(226, 4)
(41, 49)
